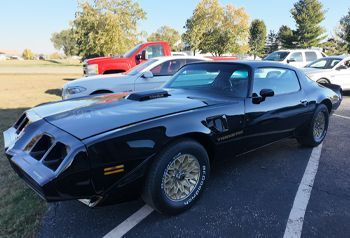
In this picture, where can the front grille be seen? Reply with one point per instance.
(41, 147)
(49, 152)
(56, 155)
(21, 123)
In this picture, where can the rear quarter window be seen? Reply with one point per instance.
(310, 56)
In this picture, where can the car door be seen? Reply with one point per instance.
(274, 117)
(296, 59)
(341, 75)
(161, 74)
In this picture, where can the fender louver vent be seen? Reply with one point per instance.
(148, 95)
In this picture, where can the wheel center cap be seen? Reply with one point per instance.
(180, 175)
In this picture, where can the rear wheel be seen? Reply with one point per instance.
(317, 129)
(177, 177)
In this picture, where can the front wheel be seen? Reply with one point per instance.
(317, 129)
(323, 80)
(177, 177)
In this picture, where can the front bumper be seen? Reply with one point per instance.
(57, 169)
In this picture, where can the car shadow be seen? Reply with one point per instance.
(55, 91)
(346, 93)
(69, 79)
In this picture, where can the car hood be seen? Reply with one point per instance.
(104, 77)
(89, 116)
(310, 71)
(103, 59)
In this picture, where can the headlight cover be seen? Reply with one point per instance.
(92, 69)
(74, 90)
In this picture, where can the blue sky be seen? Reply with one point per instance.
(30, 23)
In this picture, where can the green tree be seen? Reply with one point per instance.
(308, 15)
(286, 37)
(106, 27)
(65, 41)
(344, 30)
(229, 24)
(333, 47)
(27, 54)
(168, 34)
(206, 16)
(236, 21)
(272, 43)
(217, 41)
(257, 38)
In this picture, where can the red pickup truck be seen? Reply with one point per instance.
(137, 55)
(140, 53)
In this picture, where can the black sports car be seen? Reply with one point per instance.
(160, 143)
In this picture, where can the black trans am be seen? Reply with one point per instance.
(160, 143)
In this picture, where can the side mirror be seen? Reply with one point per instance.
(144, 55)
(264, 93)
(291, 60)
(138, 57)
(147, 75)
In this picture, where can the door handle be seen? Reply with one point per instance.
(304, 102)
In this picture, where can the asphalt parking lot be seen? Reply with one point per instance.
(251, 196)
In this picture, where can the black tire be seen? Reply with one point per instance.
(323, 80)
(308, 138)
(154, 192)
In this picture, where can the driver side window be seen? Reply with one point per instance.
(168, 68)
(280, 80)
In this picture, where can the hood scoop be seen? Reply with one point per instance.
(148, 95)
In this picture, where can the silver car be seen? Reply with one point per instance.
(332, 69)
(148, 75)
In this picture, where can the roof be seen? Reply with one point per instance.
(163, 58)
(298, 50)
(252, 63)
(336, 57)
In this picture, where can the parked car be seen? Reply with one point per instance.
(119, 64)
(148, 75)
(333, 69)
(161, 143)
(3, 57)
(298, 58)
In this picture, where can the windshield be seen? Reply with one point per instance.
(131, 52)
(230, 79)
(326, 63)
(138, 69)
(277, 56)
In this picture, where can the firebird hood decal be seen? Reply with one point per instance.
(90, 116)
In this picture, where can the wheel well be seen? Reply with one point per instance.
(101, 92)
(323, 79)
(328, 104)
(113, 71)
(204, 140)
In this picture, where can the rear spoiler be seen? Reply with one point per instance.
(334, 87)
